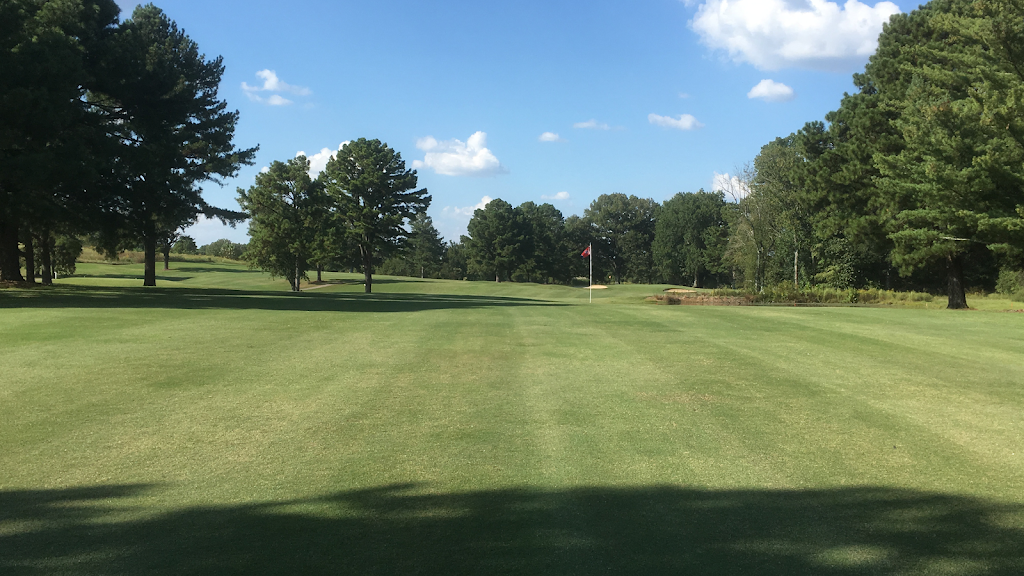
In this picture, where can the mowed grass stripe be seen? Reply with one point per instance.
(454, 427)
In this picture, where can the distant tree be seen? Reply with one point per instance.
(542, 228)
(454, 260)
(424, 247)
(577, 234)
(374, 195)
(174, 131)
(624, 226)
(223, 248)
(285, 207)
(185, 245)
(690, 236)
(495, 241)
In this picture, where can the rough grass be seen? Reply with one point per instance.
(220, 425)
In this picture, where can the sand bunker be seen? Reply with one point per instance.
(680, 291)
(597, 287)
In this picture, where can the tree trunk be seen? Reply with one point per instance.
(319, 273)
(30, 259)
(295, 279)
(10, 260)
(47, 241)
(367, 270)
(149, 246)
(796, 269)
(955, 276)
(166, 249)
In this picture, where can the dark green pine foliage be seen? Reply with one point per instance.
(174, 131)
(959, 181)
(285, 207)
(624, 228)
(374, 195)
(495, 241)
(690, 237)
(542, 254)
(424, 247)
(50, 136)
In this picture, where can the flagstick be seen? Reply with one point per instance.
(591, 272)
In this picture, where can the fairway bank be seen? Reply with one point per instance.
(219, 424)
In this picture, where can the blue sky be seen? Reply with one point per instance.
(542, 100)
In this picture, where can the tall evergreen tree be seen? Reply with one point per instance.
(495, 241)
(174, 131)
(50, 133)
(375, 195)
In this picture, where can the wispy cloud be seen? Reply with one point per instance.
(466, 211)
(271, 83)
(550, 137)
(457, 158)
(684, 122)
(560, 197)
(592, 125)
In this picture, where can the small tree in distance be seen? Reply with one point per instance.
(285, 207)
(374, 195)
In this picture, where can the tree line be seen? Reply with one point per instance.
(916, 180)
(634, 240)
(109, 130)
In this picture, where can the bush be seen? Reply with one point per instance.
(787, 294)
(1010, 283)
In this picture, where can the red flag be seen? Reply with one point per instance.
(586, 252)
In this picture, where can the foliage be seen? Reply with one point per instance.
(287, 210)
(495, 241)
(690, 237)
(174, 132)
(223, 248)
(373, 194)
(624, 234)
(185, 245)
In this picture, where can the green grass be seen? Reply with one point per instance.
(218, 424)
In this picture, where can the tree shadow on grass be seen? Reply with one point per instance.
(401, 530)
(222, 299)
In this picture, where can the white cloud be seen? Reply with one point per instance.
(684, 95)
(732, 186)
(550, 137)
(466, 212)
(458, 158)
(271, 83)
(771, 91)
(561, 197)
(774, 34)
(207, 230)
(684, 122)
(265, 169)
(318, 161)
(592, 125)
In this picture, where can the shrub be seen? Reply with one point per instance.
(1010, 283)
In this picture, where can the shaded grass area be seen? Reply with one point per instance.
(212, 298)
(220, 424)
(588, 530)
